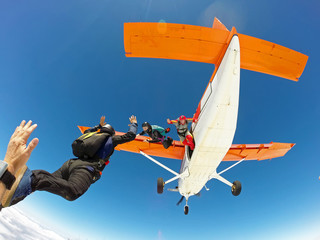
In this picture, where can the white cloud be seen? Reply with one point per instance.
(15, 225)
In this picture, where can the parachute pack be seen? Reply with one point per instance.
(87, 145)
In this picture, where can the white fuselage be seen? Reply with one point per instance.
(215, 129)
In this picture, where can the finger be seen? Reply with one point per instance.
(27, 125)
(27, 132)
(18, 129)
(32, 145)
(23, 122)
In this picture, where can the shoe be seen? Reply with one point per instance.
(167, 130)
(20, 189)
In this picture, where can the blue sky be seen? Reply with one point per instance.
(62, 63)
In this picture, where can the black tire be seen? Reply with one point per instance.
(186, 210)
(160, 185)
(236, 188)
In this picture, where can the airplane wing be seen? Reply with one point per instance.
(236, 153)
(257, 151)
(203, 44)
(153, 149)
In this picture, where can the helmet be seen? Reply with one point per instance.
(182, 117)
(146, 124)
(108, 129)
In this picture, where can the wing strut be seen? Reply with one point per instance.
(161, 165)
(231, 166)
(177, 175)
(221, 179)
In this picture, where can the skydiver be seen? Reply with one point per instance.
(76, 175)
(157, 134)
(182, 129)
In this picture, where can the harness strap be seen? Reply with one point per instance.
(182, 134)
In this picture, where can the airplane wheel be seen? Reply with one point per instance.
(186, 210)
(160, 185)
(236, 188)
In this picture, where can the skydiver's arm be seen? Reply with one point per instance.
(96, 128)
(153, 140)
(156, 135)
(175, 123)
(129, 136)
(93, 129)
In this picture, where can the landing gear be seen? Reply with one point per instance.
(236, 188)
(186, 210)
(186, 207)
(160, 185)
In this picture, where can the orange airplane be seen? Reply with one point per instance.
(216, 115)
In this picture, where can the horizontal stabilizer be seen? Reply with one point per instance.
(202, 44)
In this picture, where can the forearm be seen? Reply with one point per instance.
(133, 128)
(93, 129)
(129, 136)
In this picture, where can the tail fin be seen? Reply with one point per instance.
(219, 25)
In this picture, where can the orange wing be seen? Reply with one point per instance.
(152, 149)
(257, 151)
(235, 153)
(202, 44)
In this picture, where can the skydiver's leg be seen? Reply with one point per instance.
(189, 140)
(71, 186)
(24, 187)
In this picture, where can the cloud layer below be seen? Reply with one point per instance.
(14, 224)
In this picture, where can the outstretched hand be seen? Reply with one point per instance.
(168, 121)
(18, 153)
(102, 121)
(133, 119)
